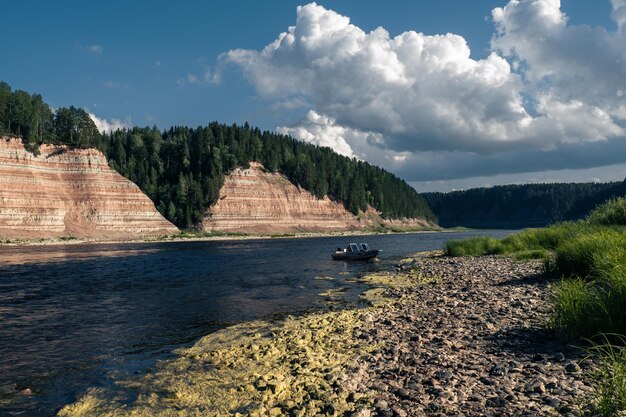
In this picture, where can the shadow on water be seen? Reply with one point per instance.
(75, 316)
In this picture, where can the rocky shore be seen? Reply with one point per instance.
(441, 337)
(473, 340)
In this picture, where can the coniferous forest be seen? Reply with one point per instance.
(182, 169)
(517, 206)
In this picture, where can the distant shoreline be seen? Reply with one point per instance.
(192, 237)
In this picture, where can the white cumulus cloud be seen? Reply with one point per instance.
(322, 130)
(106, 126)
(547, 88)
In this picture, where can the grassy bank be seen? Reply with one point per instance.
(588, 259)
(589, 256)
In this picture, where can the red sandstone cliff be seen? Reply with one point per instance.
(255, 201)
(70, 192)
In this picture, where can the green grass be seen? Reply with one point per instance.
(613, 212)
(589, 253)
(608, 395)
(474, 246)
(536, 241)
(193, 234)
(577, 309)
(589, 256)
(527, 255)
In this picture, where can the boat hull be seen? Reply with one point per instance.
(355, 256)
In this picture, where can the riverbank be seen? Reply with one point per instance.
(442, 336)
(205, 237)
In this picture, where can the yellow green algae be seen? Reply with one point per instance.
(304, 366)
(298, 368)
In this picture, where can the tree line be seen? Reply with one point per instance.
(182, 169)
(28, 116)
(517, 206)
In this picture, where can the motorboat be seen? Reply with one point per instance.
(354, 252)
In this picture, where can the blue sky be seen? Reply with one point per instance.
(147, 63)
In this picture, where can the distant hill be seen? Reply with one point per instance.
(518, 206)
(182, 169)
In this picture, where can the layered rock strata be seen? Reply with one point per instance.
(255, 201)
(70, 192)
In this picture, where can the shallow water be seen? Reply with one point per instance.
(78, 316)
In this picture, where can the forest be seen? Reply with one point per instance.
(182, 169)
(518, 206)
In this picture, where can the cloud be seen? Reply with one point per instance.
(208, 77)
(322, 130)
(94, 49)
(619, 13)
(547, 90)
(106, 126)
(565, 66)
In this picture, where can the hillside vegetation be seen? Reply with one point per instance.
(517, 206)
(182, 169)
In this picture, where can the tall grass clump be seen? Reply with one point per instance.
(577, 309)
(474, 246)
(588, 253)
(593, 299)
(548, 238)
(612, 212)
(608, 381)
(532, 241)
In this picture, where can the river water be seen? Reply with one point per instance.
(79, 316)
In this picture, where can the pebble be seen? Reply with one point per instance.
(469, 338)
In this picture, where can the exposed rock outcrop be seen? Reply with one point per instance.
(255, 201)
(70, 192)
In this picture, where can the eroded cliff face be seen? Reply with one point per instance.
(255, 201)
(70, 192)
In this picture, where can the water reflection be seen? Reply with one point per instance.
(16, 255)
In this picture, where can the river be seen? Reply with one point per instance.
(80, 316)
